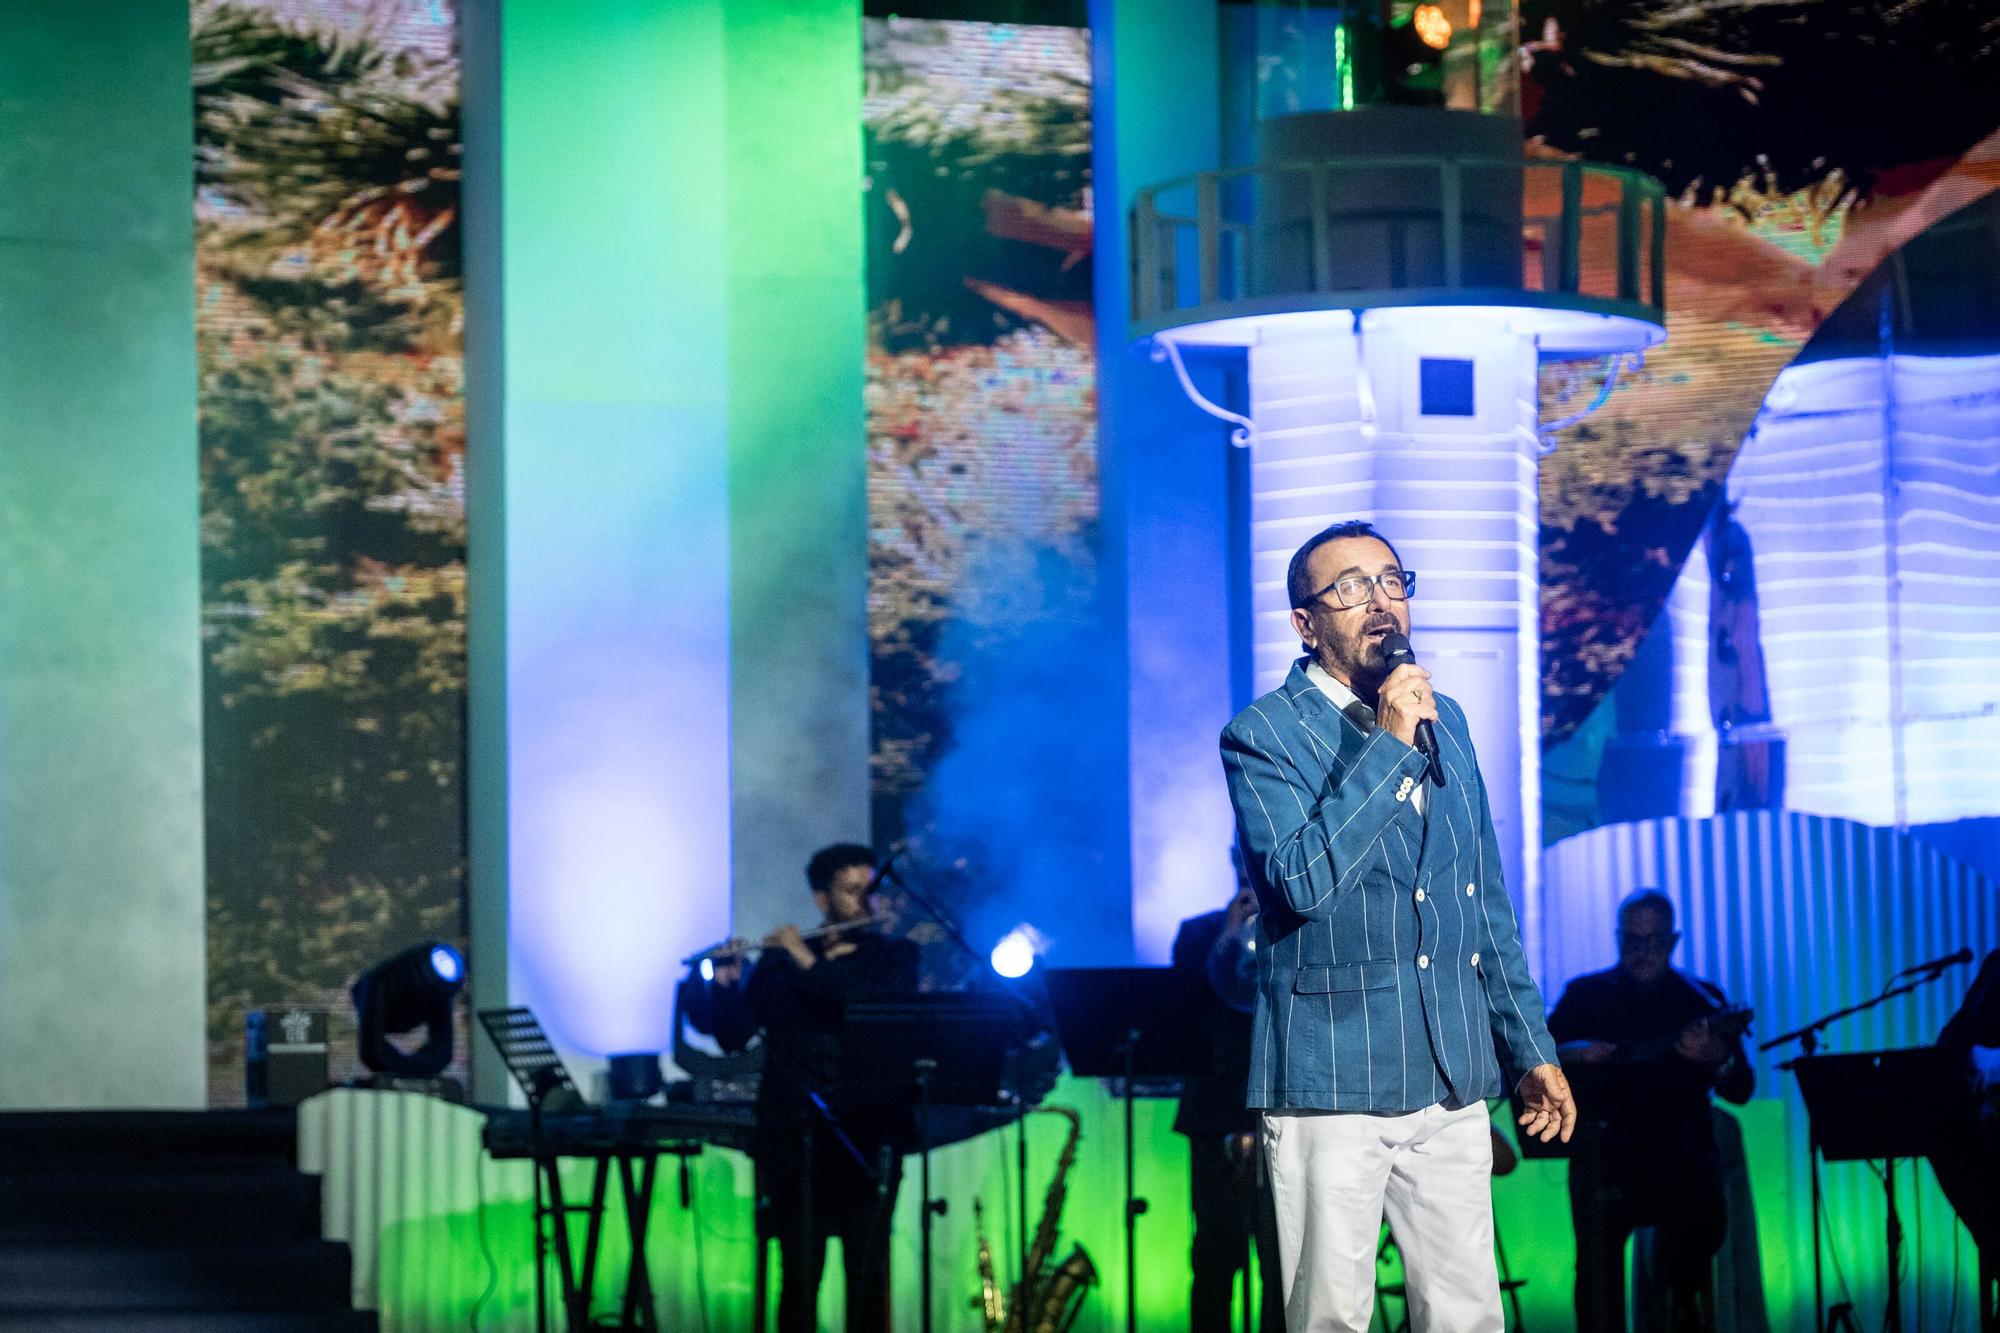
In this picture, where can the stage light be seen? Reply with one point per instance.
(413, 989)
(1014, 955)
(1432, 26)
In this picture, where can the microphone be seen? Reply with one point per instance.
(1936, 964)
(1396, 651)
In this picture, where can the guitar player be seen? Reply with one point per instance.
(1652, 1044)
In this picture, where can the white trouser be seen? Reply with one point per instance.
(1334, 1175)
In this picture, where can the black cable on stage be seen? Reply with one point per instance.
(1008, 1208)
(1916, 1197)
(1832, 1252)
(1902, 1270)
(1957, 1276)
(693, 1211)
(479, 1214)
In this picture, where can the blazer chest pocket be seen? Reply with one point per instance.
(1374, 974)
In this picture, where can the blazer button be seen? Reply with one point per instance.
(1475, 960)
(1420, 895)
(1423, 960)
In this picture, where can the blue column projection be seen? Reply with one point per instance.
(1165, 478)
(101, 935)
(611, 466)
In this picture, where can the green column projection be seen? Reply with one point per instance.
(665, 344)
(101, 893)
(798, 505)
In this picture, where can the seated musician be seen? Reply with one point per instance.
(1650, 1043)
(1967, 1159)
(820, 1173)
(1228, 1192)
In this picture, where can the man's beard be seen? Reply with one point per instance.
(1359, 659)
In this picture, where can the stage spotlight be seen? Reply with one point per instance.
(411, 990)
(449, 966)
(1014, 955)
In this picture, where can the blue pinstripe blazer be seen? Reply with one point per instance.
(1390, 970)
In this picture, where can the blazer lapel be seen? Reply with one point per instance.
(1332, 736)
(1336, 738)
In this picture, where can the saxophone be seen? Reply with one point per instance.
(989, 1302)
(1050, 1298)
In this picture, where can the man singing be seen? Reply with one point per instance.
(1390, 968)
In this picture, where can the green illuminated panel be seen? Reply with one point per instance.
(433, 1267)
(100, 720)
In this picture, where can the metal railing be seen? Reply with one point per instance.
(1566, 254)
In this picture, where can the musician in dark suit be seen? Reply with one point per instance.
(1229, 1193)
(1647, 1038)
(1967, 1159)
(822, 1171)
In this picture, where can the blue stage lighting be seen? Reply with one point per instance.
(1014, 956)
(413, 989)
(447, 963)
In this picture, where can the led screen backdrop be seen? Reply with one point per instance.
(1768, 562)
(333, 523)
(984, 598)
(1804, 140)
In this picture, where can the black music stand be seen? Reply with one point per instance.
(539, 1071)
(1833, 1087)
(1128, 1023)
(1873, 1105)
(927, 1051)
(1034, 1024)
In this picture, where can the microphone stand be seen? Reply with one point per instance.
(1808, 1038)
(949, 925)
(944, 920)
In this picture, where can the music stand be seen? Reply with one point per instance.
(1878, 1104)
(540, 1073)
(531, 1058)
(934, 1050)
(1128, 1023)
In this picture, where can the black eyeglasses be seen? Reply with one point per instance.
(1359, 589)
